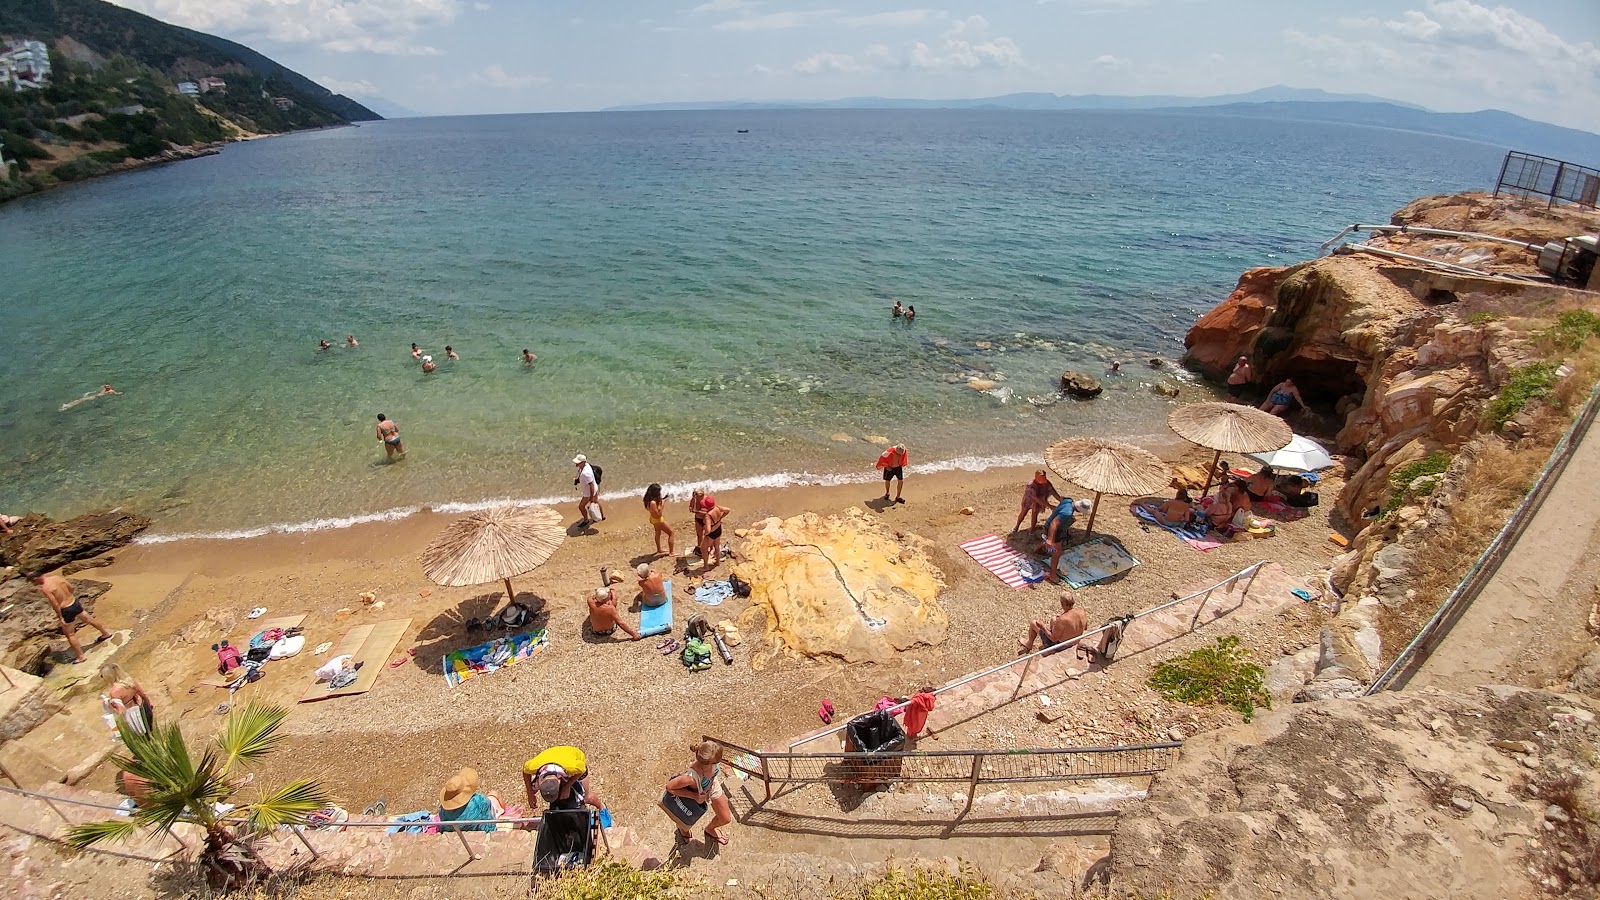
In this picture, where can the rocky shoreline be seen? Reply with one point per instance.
(170, 155)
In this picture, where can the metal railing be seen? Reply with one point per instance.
(969, 767)
(1488, 562)
(1118, 626)
(1529, 175)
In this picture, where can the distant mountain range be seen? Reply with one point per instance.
(105, 30)
(1277, 102)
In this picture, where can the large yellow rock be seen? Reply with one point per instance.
(843, 586)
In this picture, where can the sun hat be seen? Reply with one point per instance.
(1082, 506)
(458, 791)
(642, 569)
(708, 502)
(427, 359)
(579, 460)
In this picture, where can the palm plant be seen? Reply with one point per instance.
(176, 787)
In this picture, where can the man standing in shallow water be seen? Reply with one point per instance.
(389, 433)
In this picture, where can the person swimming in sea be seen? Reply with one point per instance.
(416, 352)
(105, 391)
(451, 354)
(911, 313)
(350, 341)
(427, 365)
(897, 310)
(527, 358)
(323, 344)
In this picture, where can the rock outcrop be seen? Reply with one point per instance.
(1403, 795)
(1081, 385)
(30, 627)
(841, 586)
(37, 543)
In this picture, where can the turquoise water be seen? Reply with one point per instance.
(704, 304)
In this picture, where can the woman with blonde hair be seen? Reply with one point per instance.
(690, 794)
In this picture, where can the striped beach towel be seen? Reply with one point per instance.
(992, 552)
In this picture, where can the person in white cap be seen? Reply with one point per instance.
(1058, 531)
(427, 365)
(589, 491)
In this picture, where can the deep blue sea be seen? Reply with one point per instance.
(705, 305)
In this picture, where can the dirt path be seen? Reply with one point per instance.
(1525, 628)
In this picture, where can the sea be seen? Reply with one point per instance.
(707, 294)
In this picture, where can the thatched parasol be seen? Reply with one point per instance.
(1107, 467)
(495, 545)
(1230, 427)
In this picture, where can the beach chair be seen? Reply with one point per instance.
(567, 840)
(654, 620)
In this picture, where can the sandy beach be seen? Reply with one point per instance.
(633, 710)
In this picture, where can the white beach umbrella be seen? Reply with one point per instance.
(1302, 455)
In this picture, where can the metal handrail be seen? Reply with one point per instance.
(1121, 622)
(1488, 562)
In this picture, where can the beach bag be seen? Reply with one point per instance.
(1303, 500)
(696, 655)
(741, 588)
(684, 811)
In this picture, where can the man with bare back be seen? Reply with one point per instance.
(69, 611)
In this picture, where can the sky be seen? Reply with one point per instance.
(1536, 58)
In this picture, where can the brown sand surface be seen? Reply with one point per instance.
(633, 711)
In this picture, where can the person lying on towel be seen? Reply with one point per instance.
(560, 777)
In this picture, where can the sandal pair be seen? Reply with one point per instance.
(671, 648)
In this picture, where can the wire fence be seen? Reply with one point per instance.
(1528, 175)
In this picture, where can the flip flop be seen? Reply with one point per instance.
(671, 648)
(663, 643)
(825, 712)
(720, 839)
(322, 648)
(256, 613)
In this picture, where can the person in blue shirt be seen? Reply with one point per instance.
(1058, 530)
(460, 801)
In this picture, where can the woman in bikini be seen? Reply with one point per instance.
(713, 542)
(1262, 484)
(702, 784)
(658, 519)
(698, 511)
(1283, 394)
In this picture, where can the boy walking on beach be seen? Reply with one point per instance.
(893, 464)
(69, 611)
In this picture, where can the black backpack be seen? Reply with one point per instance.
(599, 475)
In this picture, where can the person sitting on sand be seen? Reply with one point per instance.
(1178, 511)
(702, 784)
(451, 354)
(69, 612)
(604, 619)
(1262, 484)
(1239, 378)
(1065, 627)
(711, 551)
(897, 310)
(416, 352)
(427, 365)
(1058, 531)
(527, 358)
(892, 462)
(1282, 394)
(1295, 493)
(652, 587)
(350, 341)
(1036, 499)
(655, 508)
(105, 390)
(559, 776)
(461, 801)
(323, 344)
(389, 433)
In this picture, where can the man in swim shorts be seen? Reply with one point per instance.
(69, 611)
(603, 618)
(1069, 625)
(1239, 378)
(893, 464)
(389, 433)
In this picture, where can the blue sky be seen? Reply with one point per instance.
(1537, 58)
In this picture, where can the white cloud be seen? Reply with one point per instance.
(900, 17)
(1471, 56)
(953, 54)
(1110, 62)
(777, 21)
(358, 88)
(496, 76)
(1095, 7)
(390, 27)
(575, 21)
(829, 63)
(971, 27)
(481, 6)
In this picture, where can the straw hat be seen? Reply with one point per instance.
(458, 791)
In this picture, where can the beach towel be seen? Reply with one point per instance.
(1194, 536)
(654, 620)
(1277, 509)
(1095, 560)
(492, 656)
(371, 646)
(712, 593)
(994, 554)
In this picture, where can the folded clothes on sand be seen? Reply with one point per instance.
(712, 593)
(492, 656)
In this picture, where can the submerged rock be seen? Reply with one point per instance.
(1080, 384)
(842, 586)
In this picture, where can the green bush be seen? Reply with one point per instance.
(1573, 328)
(615, 879)
(1527, 384)
(20, 148)
(921, 884)
(80, 168)
(1216, 674)
(1482, 318)
(1400, 479)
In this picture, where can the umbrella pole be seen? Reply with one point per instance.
(510, 594)
(1088, 530)
(1209, 473)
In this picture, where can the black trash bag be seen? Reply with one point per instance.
(874, 732)
(565, 841)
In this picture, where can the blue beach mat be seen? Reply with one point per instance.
(1095, 560)
(654, 620)
(1194, 536)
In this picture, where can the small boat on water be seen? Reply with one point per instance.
(744, 131)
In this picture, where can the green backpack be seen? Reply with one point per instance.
(696, 655)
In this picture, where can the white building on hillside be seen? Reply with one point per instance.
(29, 64)
(188, 89)
(211, 83)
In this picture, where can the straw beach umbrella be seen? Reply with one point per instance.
(1107, 467)
(1230, 427)
(494, 545)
